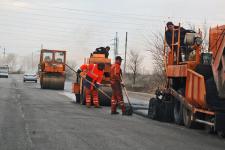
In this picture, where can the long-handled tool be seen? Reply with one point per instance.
(90, 83)
(129, 109)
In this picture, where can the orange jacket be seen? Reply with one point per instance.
(93, 72)
(116, 73)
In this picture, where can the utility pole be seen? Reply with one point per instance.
(116, 42)
(116, 45)
(125, 57)
(32, 61)
(4, 52)
(41, 46)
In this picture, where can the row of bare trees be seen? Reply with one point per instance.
(148, 82)
(134, 65)
(10, 60)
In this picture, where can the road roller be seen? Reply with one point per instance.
(194, 95)
(52, 69)
(79, 89)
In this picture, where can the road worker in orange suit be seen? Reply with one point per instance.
(93, 76)
(116, 84)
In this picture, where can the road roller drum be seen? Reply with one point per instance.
(52, 81)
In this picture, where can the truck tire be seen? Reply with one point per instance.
(178, 113)
(187, 114)
(153, 109)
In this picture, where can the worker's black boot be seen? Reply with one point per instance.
(114, 113)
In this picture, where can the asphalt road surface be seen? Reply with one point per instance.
(36, 119)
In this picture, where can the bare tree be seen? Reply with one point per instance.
(156, 48)
(10, 60)
(69, 73)
(135, 61)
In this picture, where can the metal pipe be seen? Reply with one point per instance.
(204, 122)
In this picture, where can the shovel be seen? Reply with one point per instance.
(129, 109)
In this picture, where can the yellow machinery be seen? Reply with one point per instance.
(79, 90)
(52, 69)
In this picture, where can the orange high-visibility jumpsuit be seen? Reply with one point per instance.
(94, 75)
(117, 94)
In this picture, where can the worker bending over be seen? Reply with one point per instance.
(116, 83)
(92, 81)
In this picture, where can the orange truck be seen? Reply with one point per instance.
(52, 69)
(79, 89)
(194, 94)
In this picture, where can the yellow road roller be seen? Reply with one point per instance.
(52, 69)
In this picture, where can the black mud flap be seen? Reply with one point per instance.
(220, 122)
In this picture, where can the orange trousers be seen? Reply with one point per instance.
(94, 94)
(117, 97)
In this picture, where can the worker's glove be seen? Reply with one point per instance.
(97, 85)
(79, 71)
(122, 84)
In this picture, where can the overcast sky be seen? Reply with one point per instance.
(79, 26)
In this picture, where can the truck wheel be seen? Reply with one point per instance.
(152, 109)
(187, 118)
(178, 113)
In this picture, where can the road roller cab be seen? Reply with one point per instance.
(52, 69)
(79, 90)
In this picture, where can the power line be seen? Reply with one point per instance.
(87, 19)
(94, 13)
(118, 14)
(97, 26)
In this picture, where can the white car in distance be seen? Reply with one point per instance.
(30, 77)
